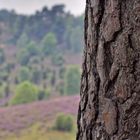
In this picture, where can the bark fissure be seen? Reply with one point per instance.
(101, 14)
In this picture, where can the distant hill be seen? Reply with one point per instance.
(42, 49)
(67, 28)
(40, 64)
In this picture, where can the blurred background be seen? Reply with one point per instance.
(41, 43)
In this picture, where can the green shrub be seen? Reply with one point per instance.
(64, 123)
(25, 92)
(44, 94)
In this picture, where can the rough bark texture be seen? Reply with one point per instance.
(110, 86)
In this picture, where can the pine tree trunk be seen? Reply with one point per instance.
(110, 86)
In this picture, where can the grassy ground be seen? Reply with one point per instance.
(35, 121)
(36, 132)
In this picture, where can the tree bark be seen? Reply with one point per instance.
(110, 85)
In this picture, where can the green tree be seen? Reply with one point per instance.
(37, 75)
(58, 9)
(35, 60)
(23, 57)
(32, 48)
(49, 43)
(27, 52)
(24, 74)
(57, 59)
(72, 80)
(9, 67)
(25, 92)
(23, 41)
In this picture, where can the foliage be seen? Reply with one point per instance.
(23, 57)
(44, 94)
(47, 73)
(60, 88)
(32, 48)
(53, 78)
(62, 72)
(36, 75)
(49, 43)
(64, 123)
(25, 92)
(57, 60)
(22, 41)
(58, 9)
(3, 75)
(2, 91)
(24, 74)
(38, 48)
(8, 67)
(72, 80)
(34, 60)
(60, 26)
(27, 52)
(2, 56)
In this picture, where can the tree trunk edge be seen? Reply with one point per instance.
(109, 108)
